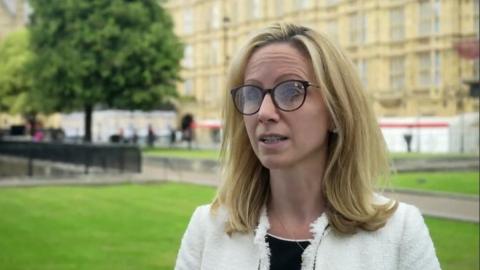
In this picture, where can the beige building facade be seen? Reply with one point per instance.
(406, 51)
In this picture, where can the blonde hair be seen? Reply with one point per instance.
(357, 156)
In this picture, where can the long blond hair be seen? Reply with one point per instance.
(357, 156)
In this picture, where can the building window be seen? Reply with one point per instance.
(331, 2)
(302, 4)
(476, 20)
(205, 53)
(216, 15)
(213, 89)
(436, 16)
(424, 64)
(188, 21)
(214, 50)
(397, 73)
(429, 69)
(424, 18)
(253, 9)
(188, 57)
(279, 7)
(437, 69)
(234, 7)
(397, 27)
(358, 28)
(362, 67)
(188, 87)
(429, 17)
(476, 68)
(332, 29)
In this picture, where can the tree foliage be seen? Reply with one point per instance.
(114, 53)
(15, 81)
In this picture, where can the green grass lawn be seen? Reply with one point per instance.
(452, 182)
(137, 227)
(182, 153)
(116, 227)
(456, 243)
(214, 153)
(414, 155)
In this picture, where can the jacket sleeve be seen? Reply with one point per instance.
(190, 254)
(416, 247)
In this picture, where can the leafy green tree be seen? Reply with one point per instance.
(111, 53)
(16, 95)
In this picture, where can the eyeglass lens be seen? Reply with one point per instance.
(287, 96)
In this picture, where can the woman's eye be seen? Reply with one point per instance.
(293, 92)
(251, 95)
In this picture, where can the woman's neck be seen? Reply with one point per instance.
(296, 201)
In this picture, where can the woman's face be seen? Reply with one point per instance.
(283, 139)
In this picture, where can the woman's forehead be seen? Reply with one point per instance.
(277, 59)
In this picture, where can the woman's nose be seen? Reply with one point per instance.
(268, 111)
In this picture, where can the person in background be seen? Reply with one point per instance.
(150, 136)
(39, 134)
(301, 155)
(172, 136)
(121, 135)
(188, 133)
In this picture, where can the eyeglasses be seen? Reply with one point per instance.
(287, 96)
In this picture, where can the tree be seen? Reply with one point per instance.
(114, 53)
(16, 95)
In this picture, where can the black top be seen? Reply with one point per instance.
(285, 254)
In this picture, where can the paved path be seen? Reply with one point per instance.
(453, 207)
(458, 208)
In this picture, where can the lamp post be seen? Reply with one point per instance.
(461, 105)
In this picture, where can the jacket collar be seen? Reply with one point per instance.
(318, 229)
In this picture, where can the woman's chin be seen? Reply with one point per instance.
(273, 163)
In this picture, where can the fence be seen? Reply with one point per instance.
(121, 158)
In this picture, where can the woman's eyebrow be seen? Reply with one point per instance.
(283, 77)
(288, 76)
(253, 82)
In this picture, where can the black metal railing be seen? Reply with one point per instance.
(121, 158)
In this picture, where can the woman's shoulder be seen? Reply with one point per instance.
(402, 243)
(406, 214)
(202, 235)
(403, 211)
(406, 219)
(407, 229)
(202, 211)
(208, 217)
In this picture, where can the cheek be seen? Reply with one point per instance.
(313, 136)
(250, 127)
(314, 128)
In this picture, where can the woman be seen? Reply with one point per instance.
(302, 153)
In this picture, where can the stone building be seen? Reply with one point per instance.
(408, 52)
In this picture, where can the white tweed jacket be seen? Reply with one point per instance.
(403, 243)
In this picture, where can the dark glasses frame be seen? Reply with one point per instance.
(271, 91)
